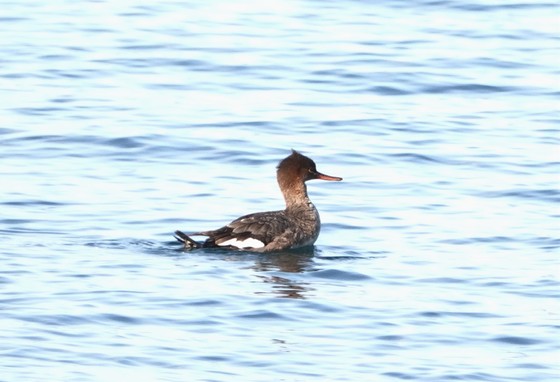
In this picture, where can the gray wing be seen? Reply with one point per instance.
(261, 227)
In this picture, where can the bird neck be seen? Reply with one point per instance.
(295, 193)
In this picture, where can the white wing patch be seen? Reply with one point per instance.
(247, 243)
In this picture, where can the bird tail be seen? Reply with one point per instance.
(186, 240)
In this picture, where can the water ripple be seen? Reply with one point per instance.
(546, 195)
(335, 274)
(514, 340)
(441, 117)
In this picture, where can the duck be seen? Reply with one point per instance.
(296, 226)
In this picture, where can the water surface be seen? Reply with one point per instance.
(122, 122)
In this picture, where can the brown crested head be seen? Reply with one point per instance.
(297, 168)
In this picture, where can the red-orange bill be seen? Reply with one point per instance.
(327, 177)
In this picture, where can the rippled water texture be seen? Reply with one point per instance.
(123, 121)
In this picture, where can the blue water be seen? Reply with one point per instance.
(123, 121)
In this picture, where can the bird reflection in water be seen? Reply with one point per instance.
(294, 261)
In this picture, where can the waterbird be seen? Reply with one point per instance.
(296, 226)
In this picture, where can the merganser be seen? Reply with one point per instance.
(296, 226)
